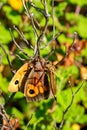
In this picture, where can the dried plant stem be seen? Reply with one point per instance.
(30, 16)
(22, 36)
(40, 39)
(53, 39)
(68, 107)
(18, 45)
(5, 117)
(38, 9)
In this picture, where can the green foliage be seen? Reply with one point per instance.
(46, 113)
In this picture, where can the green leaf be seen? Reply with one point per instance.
(82, 22)
(3, 84)
(2, 101)
(17, 113)
(12, 15)
(4, 34)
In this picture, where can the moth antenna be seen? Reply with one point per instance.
(23, 37)
(13, 72)
(18, 45)
(69, 50)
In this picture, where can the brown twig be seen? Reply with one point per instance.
(38, 9)
(30, 16)
(18, 45)
(5, 117)
(40, 39)
(68, 107)
(53, 39)
(22, 36)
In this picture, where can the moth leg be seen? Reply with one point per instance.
(12, 70)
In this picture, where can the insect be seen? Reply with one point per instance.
(35, 79)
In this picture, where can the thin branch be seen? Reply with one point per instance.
(23, 37)
(30, 17)
(20, 58)
(5, 117)
(57, 35)
(40, 39)
(68, 107)
(49, 54)
(38, 9)
(28, 122)
(18, 45)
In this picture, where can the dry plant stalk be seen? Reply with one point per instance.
(5, 118)
(70, 104)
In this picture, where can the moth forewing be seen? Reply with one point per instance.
(25, 77)
(17, 79)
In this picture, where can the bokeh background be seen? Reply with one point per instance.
(69, 16)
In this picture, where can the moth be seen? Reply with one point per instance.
(35, 79)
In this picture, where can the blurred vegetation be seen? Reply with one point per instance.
(70, 16)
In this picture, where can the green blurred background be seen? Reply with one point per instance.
(69, 16)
